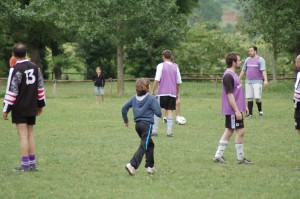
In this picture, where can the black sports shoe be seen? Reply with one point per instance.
(33, 168)
(244, 161)
(220, 160)
(20, 169)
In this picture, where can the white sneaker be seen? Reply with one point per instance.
(130, 169)
(261, 114)
(151, 170)
(169, 134)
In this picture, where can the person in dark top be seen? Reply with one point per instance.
(99, 83)
(144, 107)
(25, 99)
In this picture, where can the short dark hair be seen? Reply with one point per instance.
(254, 48)
(19, 50)
(142, 86)
(230, 58)
(167, 54)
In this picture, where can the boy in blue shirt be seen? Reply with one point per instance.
(144, 107)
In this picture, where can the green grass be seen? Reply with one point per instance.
(82, 149)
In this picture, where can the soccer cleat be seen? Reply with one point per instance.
(20, 169)
(169, 134)
(130, 169)
(249, 116)
(165, 120)
(33, 168)
(261, 114)
(151, 170)
(154, 133)
(220, 160)
(244, 161)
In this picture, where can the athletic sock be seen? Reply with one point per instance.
(169, 125)
(239, 148)
(155, 125)
(32, 160)
(221, 148)
(259, 106)
(250, 107)
(25, 162)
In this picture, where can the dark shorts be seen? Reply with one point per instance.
(167, 102)
(297, 116)
(24, 120)
(232, 123)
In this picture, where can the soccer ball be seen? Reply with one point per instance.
(181, 120)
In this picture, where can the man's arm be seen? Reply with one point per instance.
(265, 78)
(242, 74)
(155, 84)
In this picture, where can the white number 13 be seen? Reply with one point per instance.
(30, 78)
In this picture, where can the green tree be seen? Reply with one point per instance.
(276, 21)
(204, 48)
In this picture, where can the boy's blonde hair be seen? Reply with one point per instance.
(142, 86)
(98, 68)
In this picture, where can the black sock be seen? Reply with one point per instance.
(250, 107)
(259, 106)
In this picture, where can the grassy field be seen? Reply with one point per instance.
(82, 149)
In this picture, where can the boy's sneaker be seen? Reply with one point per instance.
(165, 120)
(151, 170)
(130, 169)
(220, 160)
(244, 161)
(261, 114)
(20, 169)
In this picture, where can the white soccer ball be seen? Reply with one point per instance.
(181, 120)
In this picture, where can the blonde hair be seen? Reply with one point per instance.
(98, 68)
(142, 86)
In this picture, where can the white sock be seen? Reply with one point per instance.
(169, 125)
(221, 148)
(239, 148)
(155, 125)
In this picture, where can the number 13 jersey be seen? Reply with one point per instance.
(25, 90)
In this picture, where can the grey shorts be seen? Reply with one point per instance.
(98, 90)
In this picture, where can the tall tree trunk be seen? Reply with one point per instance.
(35, 55)
(55, 50)
(120, 62)
(274, 64)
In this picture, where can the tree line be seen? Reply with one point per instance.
(129, 36)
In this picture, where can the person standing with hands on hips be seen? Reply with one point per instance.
(25, 99)
(256, 76)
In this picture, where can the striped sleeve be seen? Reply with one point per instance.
(41, 91)
(12, 90)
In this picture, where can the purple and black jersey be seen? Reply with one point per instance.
(25, 90)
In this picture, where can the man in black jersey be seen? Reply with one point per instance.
(25, 99)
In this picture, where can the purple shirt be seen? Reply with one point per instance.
(168, 80)
(238, 94)
(254, 68)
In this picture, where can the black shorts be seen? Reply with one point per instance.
(30, 120)
(167, 102)
(297, 123)
(232, 123)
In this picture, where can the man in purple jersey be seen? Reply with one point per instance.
(256, 75)
(167, 79)
(233, 104)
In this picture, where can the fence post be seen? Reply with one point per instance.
(54, 86)
(110, 86)
(216, 80)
